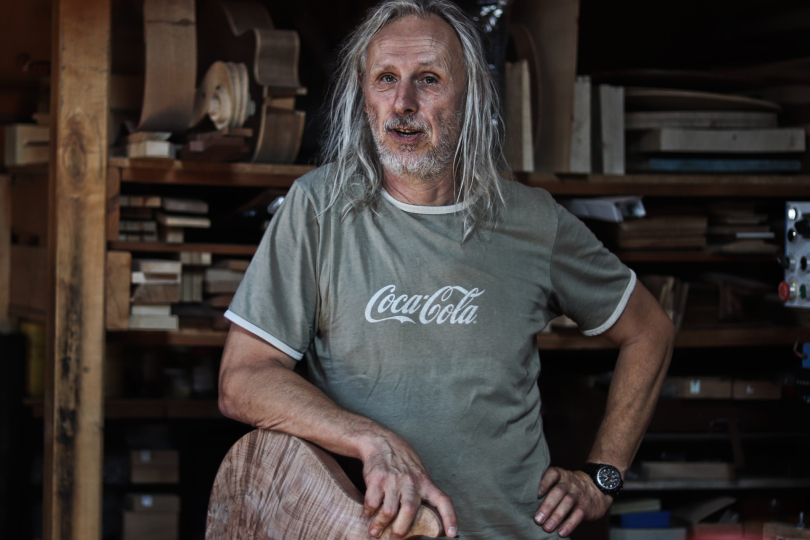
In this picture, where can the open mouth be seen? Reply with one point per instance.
(405, 134)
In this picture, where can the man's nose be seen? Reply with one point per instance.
(406, 101)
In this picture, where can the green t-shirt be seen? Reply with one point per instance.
(402, 322)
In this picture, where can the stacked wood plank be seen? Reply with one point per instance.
(684, 131)
(152, 218)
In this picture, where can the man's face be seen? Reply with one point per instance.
(413, 88)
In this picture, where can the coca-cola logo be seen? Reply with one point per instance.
(450, 304)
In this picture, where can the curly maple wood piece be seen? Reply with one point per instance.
(273, 486)
(170, 34)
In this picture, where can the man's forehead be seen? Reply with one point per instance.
(425, 40)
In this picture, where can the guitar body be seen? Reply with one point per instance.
(242, 32)
(273, 486)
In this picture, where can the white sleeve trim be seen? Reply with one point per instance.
(616, 312)
(274, 341)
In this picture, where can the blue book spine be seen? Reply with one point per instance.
(646, 520)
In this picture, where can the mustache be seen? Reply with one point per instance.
(406, 122)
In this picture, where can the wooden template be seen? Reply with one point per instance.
(243, 33)
(720, 141)
(700, 120)
(170, 33)
(118, 281)
(553, 26)
(665, 99)
(5, 249)
(607, 123)
(526, 50)
(74, 395)
(273, 486)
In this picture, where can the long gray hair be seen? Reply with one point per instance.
(479, 162)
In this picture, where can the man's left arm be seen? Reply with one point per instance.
(644, 335)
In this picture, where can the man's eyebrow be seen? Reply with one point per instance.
(432, 65)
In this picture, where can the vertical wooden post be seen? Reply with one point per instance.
(74, 408)
(5, 249)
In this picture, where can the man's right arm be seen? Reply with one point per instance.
(257, 386)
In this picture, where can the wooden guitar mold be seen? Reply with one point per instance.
(273, 486)
(242, 32)
(171, 65)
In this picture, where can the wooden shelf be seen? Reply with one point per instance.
(198, 173)
(698, 484)
(694, 256)
(217, 249)
(191, 338)
(147, 408)
(715, 337)
(671, 185)
(727, 337)
(37, 169)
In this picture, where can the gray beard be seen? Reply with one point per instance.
(407, 162)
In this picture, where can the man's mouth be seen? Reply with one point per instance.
(405, 134)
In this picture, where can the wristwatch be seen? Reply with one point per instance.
(606, 477)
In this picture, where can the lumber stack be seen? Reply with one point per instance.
(188, 290)
(152, 218)
(686, 131)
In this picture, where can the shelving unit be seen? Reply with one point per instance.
(82, 174)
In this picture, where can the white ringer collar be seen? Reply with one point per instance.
(417, 209)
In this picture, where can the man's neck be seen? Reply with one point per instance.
(419, 191)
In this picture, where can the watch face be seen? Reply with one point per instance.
(609, 477)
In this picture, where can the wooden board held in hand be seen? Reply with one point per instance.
(276, 486)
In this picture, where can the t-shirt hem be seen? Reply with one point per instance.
(269, 338)
(616, 312)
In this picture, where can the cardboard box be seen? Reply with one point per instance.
(151, 525)
(756, 390)
(702, 388)
(150, 502)
(154, 467)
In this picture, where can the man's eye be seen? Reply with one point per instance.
(430, 80)
(388, 78)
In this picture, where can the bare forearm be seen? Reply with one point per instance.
(637, 380)
(268, 395)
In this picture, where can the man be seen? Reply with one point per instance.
(414, 279)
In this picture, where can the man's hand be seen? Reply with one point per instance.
(396, 484)
(571, 496)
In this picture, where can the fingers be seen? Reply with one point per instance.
(551, 477)
(386, 513)
(572, 522)
(409, 504)
(447, 512)
(553, 498)
(565, 506)
(373, 498)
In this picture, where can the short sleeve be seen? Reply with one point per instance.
(589, 283)
(278, 297)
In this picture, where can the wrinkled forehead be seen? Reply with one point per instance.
(428, 40)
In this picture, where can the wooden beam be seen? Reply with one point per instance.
(5, 249)
(74, 413)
